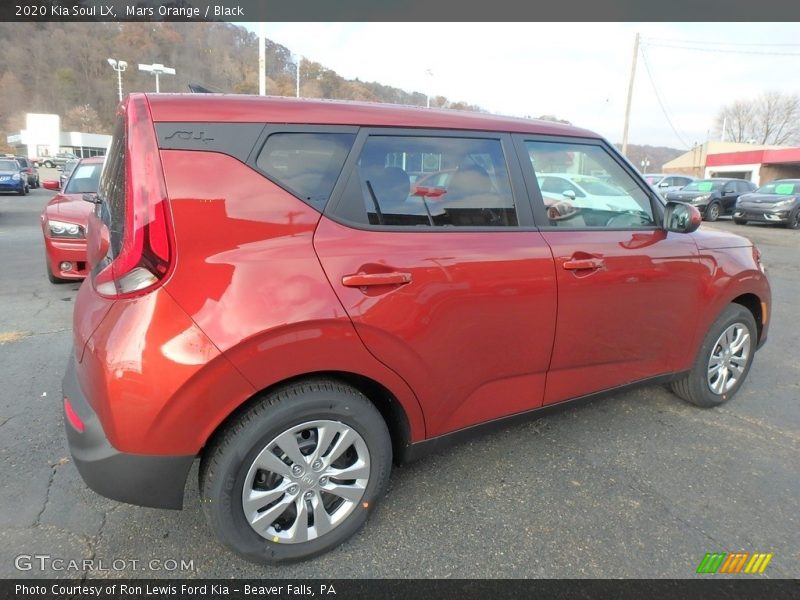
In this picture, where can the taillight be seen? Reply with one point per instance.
(140, 260)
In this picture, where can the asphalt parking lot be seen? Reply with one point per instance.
(639, 484)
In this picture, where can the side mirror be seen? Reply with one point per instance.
(568, 194)
(681, 217)
(49, 184)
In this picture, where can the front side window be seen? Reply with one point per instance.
(307, 164)
(583, 186)
(432, 181)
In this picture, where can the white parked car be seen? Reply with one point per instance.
(664, 182)
(585, 191)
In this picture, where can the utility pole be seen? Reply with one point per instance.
(630, 96)
(262, 62)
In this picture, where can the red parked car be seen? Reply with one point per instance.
(64, 222)
(268, 296)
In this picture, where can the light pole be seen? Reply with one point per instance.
(645, 163)
(119, 66)
(157, 69)
(428, 95)
(297, 58)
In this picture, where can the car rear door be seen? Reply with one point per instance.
(628, 291)
(450, 286)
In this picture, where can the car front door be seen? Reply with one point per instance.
(628, 291)
(450, 286)
(730, 192)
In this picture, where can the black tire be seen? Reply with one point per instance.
(48, 164)
(794, 220)
(712, 212)
(23, 191)
(694, 387)
(228, 457)
(740, 221)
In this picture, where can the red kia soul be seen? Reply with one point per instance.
(271, 293)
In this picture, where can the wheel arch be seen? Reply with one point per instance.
(754, 304)
(387, 404)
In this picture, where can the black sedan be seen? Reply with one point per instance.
(712, 197)
(775, 202)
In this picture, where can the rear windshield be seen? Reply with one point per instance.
(23, 162)
(111, 188)
(84, 180)
(9, 165)
(703, 186)
(781, 188)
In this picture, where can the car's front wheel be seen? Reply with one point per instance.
(739, 221)
(794, 220)
(713, 211)
(723, 361)
(297, 473)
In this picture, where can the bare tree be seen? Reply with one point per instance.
(772, 118)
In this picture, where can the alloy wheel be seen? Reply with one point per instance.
(728, 359)
(306, 481)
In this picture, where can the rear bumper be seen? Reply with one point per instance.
(146, 480)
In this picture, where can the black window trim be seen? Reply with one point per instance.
(525, 221)
(537, 201)
(271, 129)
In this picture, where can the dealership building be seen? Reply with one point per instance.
(42, 137)
(757, 163)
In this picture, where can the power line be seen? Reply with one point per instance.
(660, 101)
(721, 50)
(707, 43)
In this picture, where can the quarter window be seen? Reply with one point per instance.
(583, 186)
(431, 181)
(307, 164)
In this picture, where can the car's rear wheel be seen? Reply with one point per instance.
(723, 361)
(740, 221)
(712, 212)
(297, 473)
(48, 164)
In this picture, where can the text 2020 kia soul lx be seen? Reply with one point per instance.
(301, 292)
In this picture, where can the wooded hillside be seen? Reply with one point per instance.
(62, 68)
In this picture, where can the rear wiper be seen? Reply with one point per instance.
(375, 202)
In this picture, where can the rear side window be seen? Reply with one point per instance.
(306, 164)
(431, 181)
(112, 187)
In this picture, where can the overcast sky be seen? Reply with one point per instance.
(575, 71)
